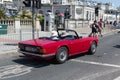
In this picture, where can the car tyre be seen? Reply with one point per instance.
(61, 55)
(92, 48)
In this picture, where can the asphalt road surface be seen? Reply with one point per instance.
(104, 65)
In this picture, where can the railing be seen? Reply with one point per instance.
(69, 23)
(10, 41)
(13, 25)
(16, 31)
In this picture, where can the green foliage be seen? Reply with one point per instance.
(2, 14)
(40, 17)
(26, 14)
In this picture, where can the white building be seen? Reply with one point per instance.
(7, 0)
(77, 11)
(82, 11)
(63, 2)
(45, 1)
(1, 1)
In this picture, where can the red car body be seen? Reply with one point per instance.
(45, 48)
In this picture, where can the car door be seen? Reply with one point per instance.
(86, 44)
(76, 46)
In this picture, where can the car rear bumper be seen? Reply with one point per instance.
(37, 55)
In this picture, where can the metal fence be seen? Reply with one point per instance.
(10, 36)
(72, 24)
(10, 41)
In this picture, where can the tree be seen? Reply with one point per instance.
(41, 19)
(26, 14)
(2, 14)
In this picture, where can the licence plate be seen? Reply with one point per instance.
(28, 48)
(31, 49)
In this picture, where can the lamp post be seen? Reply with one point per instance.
(83, 12)
(33, 12)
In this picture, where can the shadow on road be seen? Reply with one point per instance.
(23, 60)
(30, 62)
(117, 46)
(77, 56)
(118, 31)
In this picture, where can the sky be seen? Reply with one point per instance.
(116, 3)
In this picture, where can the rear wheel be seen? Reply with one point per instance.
(92, 48)
(62, 55)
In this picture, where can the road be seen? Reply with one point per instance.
(104, 65)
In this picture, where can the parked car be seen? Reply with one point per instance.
(59, 47)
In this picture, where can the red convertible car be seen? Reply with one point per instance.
(67, 43)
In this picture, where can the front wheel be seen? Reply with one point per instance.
(92, 48)
(61, 55)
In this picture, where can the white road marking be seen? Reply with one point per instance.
(105, 53)
(118, 78)
(96, 63)
(116, 54)
(13, 71)
(96, 75)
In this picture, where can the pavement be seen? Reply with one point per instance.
(11, 48)
(86, 31)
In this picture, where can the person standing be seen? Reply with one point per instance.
(94, 29)
(100, 24)
(115, 23)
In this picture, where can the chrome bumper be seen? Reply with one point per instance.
(38, 55)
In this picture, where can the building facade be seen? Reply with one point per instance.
(45, 1)
(78, 9)
(82, 9)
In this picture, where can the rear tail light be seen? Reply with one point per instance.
(21, 46)
(42, 50)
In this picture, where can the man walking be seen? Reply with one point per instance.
(100, 24)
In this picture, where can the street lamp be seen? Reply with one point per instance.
(83, 11)
(33, 12)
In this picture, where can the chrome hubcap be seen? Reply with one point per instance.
(93, 48)
(62, 56)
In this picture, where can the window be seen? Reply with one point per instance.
(87, 15)
(79, 11)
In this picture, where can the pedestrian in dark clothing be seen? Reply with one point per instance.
(115, 23)
(94, 29)
(111, 22)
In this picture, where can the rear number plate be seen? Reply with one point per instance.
(31, 49)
